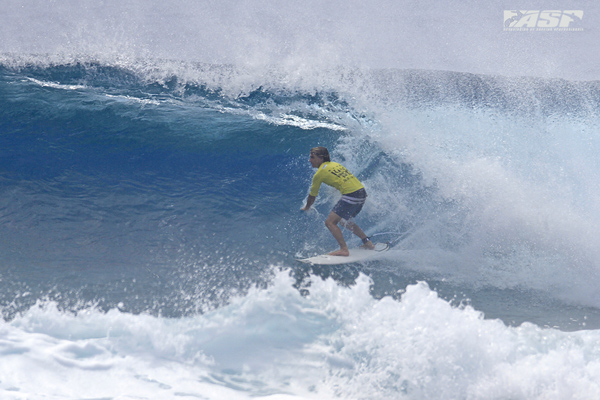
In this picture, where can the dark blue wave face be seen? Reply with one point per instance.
(113, 198)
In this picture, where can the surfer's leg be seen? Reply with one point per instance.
(367, 244)
(331, 223)
(346, 209)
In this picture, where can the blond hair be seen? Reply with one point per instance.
(321, 152)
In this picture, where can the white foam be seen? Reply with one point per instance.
(283, 119)
(274, 343)
(122, 98)
(514, 199)
(55, 85)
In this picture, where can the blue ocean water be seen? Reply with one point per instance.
(150, 225)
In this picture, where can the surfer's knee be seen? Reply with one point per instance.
(329, 223)
(332, 220)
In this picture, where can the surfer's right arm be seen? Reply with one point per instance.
(314, 191)
(309, 202)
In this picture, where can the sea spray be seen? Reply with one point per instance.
(332, 342)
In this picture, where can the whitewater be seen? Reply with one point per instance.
(154, 160)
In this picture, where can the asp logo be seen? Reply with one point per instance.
(546, 20)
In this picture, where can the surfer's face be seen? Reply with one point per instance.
(315, 160)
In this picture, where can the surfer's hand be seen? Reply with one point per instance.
(309, 202)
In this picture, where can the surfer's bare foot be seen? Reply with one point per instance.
(340, 252)
(368, 245)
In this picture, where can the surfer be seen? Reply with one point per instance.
(352, 201)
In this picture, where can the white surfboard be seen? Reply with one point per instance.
(356, 255)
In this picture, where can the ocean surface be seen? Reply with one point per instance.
(150, 224)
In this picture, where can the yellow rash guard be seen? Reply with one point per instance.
(336, 175)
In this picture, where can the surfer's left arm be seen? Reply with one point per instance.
(309, 202)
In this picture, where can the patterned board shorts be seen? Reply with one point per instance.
(350, 204)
